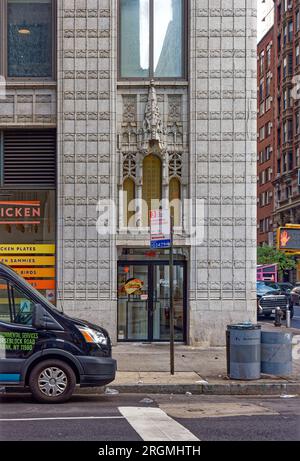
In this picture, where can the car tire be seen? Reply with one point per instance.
(52, 381)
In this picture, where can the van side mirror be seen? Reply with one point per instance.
(38, 320)
(43, 320)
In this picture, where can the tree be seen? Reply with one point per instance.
(269, 255)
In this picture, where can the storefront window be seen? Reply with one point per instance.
(27, 236)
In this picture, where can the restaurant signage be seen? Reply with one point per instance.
(28, 212)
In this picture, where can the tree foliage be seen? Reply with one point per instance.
(270, 255)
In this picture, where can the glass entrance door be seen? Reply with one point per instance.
(161, 303)
(144, 301)
(133, 302)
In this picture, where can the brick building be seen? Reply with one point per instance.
(265, 140)
(287, 113)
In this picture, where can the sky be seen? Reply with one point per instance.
(262, 11)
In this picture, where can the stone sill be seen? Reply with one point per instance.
(28, 84)
(146, 83)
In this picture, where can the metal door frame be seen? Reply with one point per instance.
(150, 310)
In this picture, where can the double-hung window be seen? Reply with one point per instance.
(152, 39)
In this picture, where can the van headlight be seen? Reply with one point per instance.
(93, 336)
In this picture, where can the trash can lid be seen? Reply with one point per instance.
(244, 326)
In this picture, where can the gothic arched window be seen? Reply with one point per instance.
(175, 199)
(152, 185)
(129, 197)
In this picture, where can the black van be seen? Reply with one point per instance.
(44, 349)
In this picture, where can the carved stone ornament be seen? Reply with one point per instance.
(129, 109)
(129, 165)
(175, 165)
(153, 129)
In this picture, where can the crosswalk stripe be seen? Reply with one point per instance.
(153, 424)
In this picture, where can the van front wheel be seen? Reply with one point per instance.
(52, 381)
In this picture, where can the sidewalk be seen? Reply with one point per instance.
(145, 368)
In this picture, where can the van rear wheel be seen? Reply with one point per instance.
(52, 381)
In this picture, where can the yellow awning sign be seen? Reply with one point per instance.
(12, 249)
(28, 260)
(33, 272)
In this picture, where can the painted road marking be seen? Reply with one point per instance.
(67, 418)
(153, 424)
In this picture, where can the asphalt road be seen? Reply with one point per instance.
(295, 323)
(101, 418)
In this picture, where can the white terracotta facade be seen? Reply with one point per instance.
(207, 127)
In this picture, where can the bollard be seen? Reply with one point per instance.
(278, 314)
(288, 318)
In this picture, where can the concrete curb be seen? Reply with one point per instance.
(268, 389)
(251, 389)
(196, 389)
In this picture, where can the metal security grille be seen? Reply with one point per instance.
(29, 158)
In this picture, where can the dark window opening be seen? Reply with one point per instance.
(29, 38)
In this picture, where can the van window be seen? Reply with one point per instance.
(5, 314)
(22, 307)
(15, 306)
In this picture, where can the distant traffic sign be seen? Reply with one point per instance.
(160, 228)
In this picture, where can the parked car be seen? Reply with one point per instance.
(269, 298)
(46, 350)
(284, 288)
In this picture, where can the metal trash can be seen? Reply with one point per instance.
(228, 350)
(244, 351)
(276, 353)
